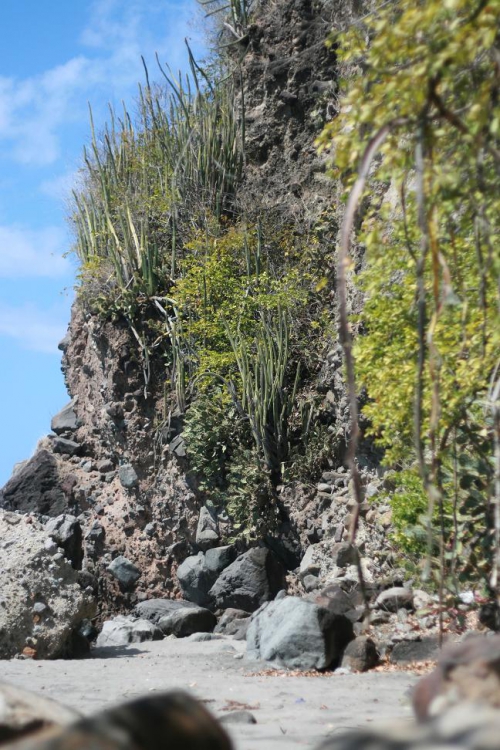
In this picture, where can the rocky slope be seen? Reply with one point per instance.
(116, 465)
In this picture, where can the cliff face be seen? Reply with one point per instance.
(114, 461)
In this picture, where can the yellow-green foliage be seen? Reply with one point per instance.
(228, 286)
(422, 89)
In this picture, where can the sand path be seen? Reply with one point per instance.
(291, 712)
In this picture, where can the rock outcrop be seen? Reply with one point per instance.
(42, 602)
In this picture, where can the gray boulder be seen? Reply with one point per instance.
(124, 571)
(234, 622)
(66, 420)
(35, 488)
(67, 532)
(128, 476)
(154, 609)
(186, 621)
(297, 634)
(41, 601)
(253, 578)
(121, 631)
(219, 558)
(207, 531)
(196, 579)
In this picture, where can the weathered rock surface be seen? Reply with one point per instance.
(41, 601)
(253, 578)
(122, 631)
(297, 634)
(186, 621)
(196, 579)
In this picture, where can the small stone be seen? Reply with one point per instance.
(128, 476)
(66, 420)
(360, 655)
(124, 571)
(65, 446)
(395, 598)
(237, 717)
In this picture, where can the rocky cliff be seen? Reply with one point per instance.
(115, 462)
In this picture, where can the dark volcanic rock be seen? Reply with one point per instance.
(154, 609)
(298, 634)
(186, 621)
(67, 532)
(196, 579)
(252, 579)
(35, 488)
(219, 558)
(124, 571)
(406, 652)
(65, 446)
(128, 476)
(66, 420)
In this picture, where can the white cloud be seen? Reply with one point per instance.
(34, 329)
(28, 252)
(35, 112)
(60, 187)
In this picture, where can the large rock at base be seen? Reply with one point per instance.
(186, 621)
(198, 573)
(123, 631)
(154, 609)
(41, 602)
(35, 488)
(252, 579)
(298, 634)
(196, 579)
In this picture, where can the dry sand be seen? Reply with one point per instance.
(290, 711)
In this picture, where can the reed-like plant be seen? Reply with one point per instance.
(265, 399)
(145, 179)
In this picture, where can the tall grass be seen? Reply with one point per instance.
(148, 176)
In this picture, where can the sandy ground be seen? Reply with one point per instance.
(291, 712)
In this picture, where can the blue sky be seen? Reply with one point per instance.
(55, 57)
